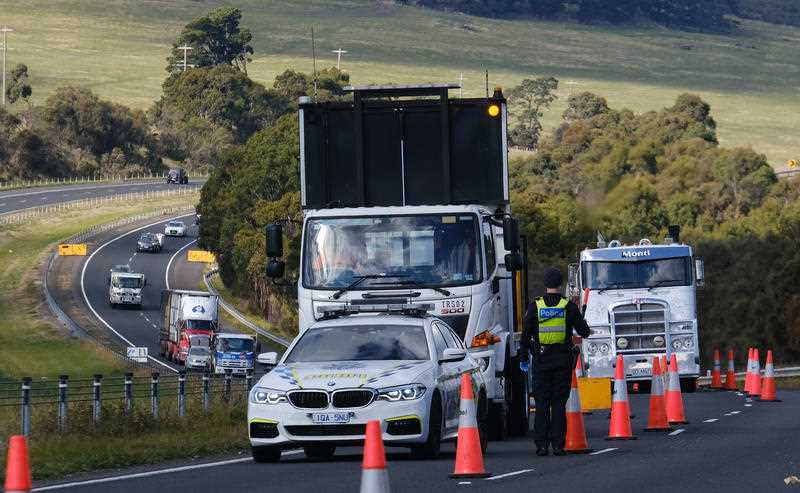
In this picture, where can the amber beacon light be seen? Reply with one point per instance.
(494, 110)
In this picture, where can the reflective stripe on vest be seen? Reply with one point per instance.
(552, 322)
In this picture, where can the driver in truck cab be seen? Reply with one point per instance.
(547, 334)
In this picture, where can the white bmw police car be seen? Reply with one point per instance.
(401, 369)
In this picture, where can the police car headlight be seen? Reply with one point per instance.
(622, 343)
(261, 395)
(402, 393)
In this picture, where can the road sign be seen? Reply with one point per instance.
(793, 163)
(138, 354)
(200, 256)
(72, 249)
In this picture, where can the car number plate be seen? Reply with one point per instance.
(330, 418)
(127, 299)
(642, 371)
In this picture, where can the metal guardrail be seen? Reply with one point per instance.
(86, 180)
(787, 173)
(239, 316)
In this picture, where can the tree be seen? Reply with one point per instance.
(584, 106)
(18, 88)
(528, 101)
(216, 39)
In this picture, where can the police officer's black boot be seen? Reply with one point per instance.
(559, 451)
(541, 451)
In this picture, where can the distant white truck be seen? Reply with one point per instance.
(235, 352)
(125, 288)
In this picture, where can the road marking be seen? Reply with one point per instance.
(22, 201)
(677, 432)
(169, 264)
(710, 420)
(464, 482)
(748, 405)
(154, 473)
(44, 198)
(739, 393)
(509, 474)
(130, 260)
(728, 414)
(86, 296)
(735, 412)
(604, 451)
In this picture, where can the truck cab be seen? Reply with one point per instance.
(125, 288)
(234, 352)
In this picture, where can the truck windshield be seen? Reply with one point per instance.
(127, 282)
(429, 250)
(361, 343)
(644, 274)
(199, 325)
(235, 345)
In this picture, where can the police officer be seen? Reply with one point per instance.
(548, 336)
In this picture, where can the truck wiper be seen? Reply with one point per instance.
(660, 282)
(411, 282)
(359, 279)
(613, 286)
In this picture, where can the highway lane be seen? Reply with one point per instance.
(727, 447)
(25, 198)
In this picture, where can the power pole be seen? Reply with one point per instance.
(185, 63)
(5, 30)
(339, 54)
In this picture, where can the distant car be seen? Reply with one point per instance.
(177, 176)
(175, 228)
(198, 358)
(149, 242)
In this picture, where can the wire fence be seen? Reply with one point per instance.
(87, 180)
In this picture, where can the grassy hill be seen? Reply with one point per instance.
(118, 49)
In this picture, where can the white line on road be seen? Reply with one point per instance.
(710, 420)
(677, 432)
(728, 414)
(464, 482)
(604, 451)
(735, 412)
(130, 260)
(509, 474)
(169, 264)
(748, 405)
(154, 473)
(22, 201)
(86, 296)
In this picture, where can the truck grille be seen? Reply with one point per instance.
(352, 398)
(326, 430)
(640, 323)
(308, 399)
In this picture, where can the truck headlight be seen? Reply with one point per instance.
(622, 343)
(658, 341)
(402, 393)
(261, 395)
(598, 347)
(682, 344)
(604, 348)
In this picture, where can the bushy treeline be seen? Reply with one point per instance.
(704, 15)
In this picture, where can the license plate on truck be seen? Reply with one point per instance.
(330, 418)
(641, 371)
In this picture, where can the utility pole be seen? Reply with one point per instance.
(339, 54)
(460, 85)
(5, 30)
(185, 64)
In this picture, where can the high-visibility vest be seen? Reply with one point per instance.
(552, 322)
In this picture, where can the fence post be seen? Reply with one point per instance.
(128, 393)
(62, 402)
(98, 403)
(154, 394)
(205, 391)
(26, 406)
(249, 379)
(182, 393)
(227, 391)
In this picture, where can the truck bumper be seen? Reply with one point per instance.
(638, 367)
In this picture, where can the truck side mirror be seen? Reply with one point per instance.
(144, 281)
(572, 279)
(511, 234)
(275, 268)
(514, 261)
(274, 240)
(699, 273)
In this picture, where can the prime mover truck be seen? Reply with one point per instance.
(125, 288)
(405, 200)
(188, 318)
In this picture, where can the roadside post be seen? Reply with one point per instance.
(205, 391)
(26, 406)
(182, 393)
(63, 382)
(249, 379)
(128, 393)
(97, 403)
(227, 390)
(154, 394)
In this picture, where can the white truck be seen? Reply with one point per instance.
(187, 318)
(235, 352)
(405, 198)
(640, 301)
(125, 288)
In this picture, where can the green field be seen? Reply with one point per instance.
(118, 48)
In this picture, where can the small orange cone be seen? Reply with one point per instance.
(748, 376)
(768, 393)
(575, 442)
(657, 420)
(620, 426)
(374, 478)
(716, 374)
(755, 387)
(675, 414)
(664, 373)
(18, 468)
(469, 459)
(581, 373)
(730, 376)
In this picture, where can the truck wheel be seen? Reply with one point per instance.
(483, 422)
(430, 449)
(520, 401)
(498, 419)
(265, 454)
(319, 451)
(688, 385)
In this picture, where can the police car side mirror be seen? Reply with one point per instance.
(452, 355)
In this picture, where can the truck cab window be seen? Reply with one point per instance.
(488, 246)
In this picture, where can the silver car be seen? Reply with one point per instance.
(198, 358)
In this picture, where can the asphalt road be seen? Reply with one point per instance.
(25, 198)
(727, 447)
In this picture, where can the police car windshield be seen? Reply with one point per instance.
(360, 343)
(642, 274)
(432, 250)
(235, 345)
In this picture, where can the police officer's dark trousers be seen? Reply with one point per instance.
(551, 390)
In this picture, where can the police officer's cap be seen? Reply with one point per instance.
(552, 277)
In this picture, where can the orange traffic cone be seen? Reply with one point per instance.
(768, 393)
(730, 376)
(755, 387)
(664, 373)
(748, 376)
(716, 373)
(675, 414)
(575, 442)
(657, 420)
(18, 468)
(469, 459)
(581, 373)
(620, 426)
(374, 478)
